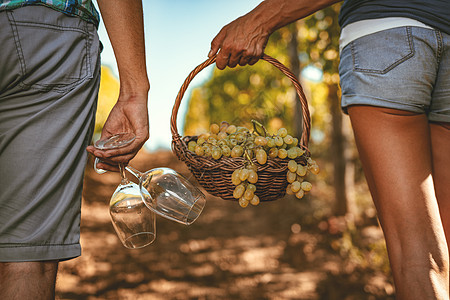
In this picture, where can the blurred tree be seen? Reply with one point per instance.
(107, 97)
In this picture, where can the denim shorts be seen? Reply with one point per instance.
(49, 78)
(405, 68)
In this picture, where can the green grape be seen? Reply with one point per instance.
(288, 139)
(201, 141)
(301, 170)
(289, 190)
(231, 129)
(292, 153)
(282, 132)
(214, 128)
(222, 142)
(261, 156)
(216, 152)
(226, 151)
(204, 135)
(252, 176)
(248, 195)
(212, 140)
(235, 177)
(243, 175)
(240, 137)
(295, 186)
(278, 141)
(306, 186)
(224, 126)
(300, 178)
(199, 150)
(314, 168)
(251, 187)
(295, 142)
(270, 142)
(250, 145)
(192, 145)
(260, 141)
(239, 191)
(233, 142)
(291, 177)
(222, 135)
(243, 202)
(300, 194)
(273, 152)
(207, 150)
(282, 153)
(255, 200)
(242, 129)
(253, 167)
(292, 166)
(300, 151)
(237, 151)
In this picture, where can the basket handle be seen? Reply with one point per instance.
(305, 110)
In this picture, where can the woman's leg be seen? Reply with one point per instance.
(395, 150)
(440, 145)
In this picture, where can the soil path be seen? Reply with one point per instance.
(271, 251)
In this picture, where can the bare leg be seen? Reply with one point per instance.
(395, 150)
(28, 280)
(440, 145)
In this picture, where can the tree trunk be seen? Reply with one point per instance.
(338, 142)
(295, 68)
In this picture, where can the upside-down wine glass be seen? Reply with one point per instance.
(133, 222)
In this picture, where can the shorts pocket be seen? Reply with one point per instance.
(382, 51)
(52, 57)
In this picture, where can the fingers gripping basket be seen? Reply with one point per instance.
(215, 175)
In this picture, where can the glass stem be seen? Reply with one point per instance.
(133, 171)
(124, 179)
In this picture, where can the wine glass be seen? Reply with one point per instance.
(165, 191)
(113, 142)
(133, 222)
(170, 194)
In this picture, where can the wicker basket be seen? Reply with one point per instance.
(215, 175)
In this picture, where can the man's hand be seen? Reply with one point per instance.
(130, 115)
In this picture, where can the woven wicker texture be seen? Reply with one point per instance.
(215, 175)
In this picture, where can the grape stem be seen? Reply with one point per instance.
(259, 128)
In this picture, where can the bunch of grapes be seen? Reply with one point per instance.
(244, 179)
(237, 141)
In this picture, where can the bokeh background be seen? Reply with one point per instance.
(327, 245)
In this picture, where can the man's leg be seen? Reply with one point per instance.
(395, 150)
(28, 280)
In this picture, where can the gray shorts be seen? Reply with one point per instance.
(49, 78)
(406, 68)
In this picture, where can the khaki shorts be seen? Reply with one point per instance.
(49, 78)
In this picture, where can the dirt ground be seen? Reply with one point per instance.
(276, 250)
